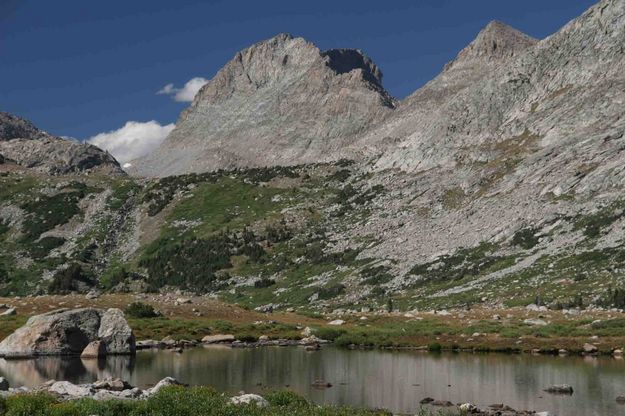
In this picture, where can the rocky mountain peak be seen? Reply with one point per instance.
(284, 99)
(346, 60)
(497, 41)
(14, 127)
(29, 147)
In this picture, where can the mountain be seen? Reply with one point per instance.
(279, 102)
(304, 184)
(28, 147)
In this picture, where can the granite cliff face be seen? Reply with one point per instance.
(27, 146)
(279, 102)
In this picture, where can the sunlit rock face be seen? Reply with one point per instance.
(279, 102)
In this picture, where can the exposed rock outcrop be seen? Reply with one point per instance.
(69, 332)
(35, 149)
(115, 333)
(279, 102)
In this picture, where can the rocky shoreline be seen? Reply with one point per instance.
(117, 389)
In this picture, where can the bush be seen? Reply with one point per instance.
(179, 401)
(140, 310)
(263, 283)
(435, 347)
(375, 275)
(247, 338)
(69, 280)
(329, 334)
(42, 248)
(47, 212)
(113, 276)
(331, 291)
(286, 398)
(525, 238)
(29, 405)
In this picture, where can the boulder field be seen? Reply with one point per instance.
(70, 332)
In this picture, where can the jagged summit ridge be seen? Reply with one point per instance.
(281, 101)
(14, 127)
(496, 41)
(346, 60)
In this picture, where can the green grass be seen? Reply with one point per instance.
(175, 401)
(226, 203)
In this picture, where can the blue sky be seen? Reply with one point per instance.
(78, 68)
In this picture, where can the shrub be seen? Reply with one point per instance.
(46, 212)
(331, 291)
(375, 275)
(247, 338)
(329, 334)
(140, 310)
(113, 276)
(179, 401)
(4, 228)
(263, 283)
(42, 248)
(525, 238)
(278, 233)
(69, 280)
(29, 404)
(286, 398)
(188, 264)
(435, 347)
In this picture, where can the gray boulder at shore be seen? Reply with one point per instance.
(116, 333)
(69, 332)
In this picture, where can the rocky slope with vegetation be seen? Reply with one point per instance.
(498, 183)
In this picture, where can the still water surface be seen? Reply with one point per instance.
(393, 380)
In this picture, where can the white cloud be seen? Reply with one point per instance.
(186, 93)
(133, 140)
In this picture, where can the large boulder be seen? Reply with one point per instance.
(69, 332)
(116, 333)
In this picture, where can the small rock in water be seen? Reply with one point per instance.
(321, 384)
(619, 399)
(426, 400)
(590, 349)
(560, 389)
(4, 384)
